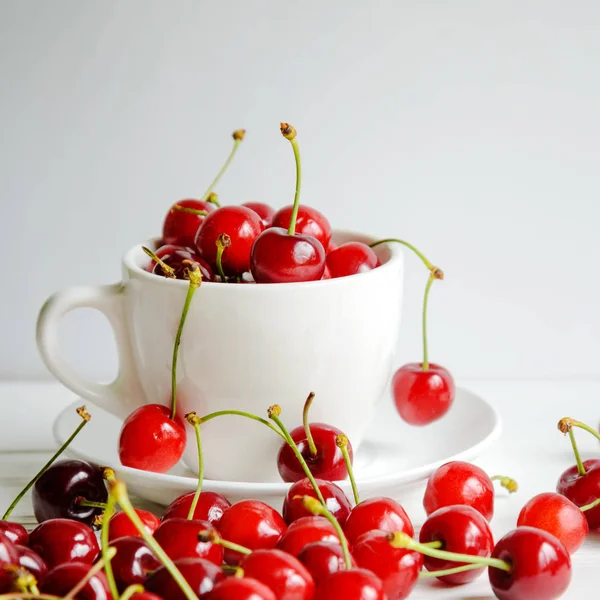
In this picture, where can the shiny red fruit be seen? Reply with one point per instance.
(336, 501)
(64, 577)
(541, 566)
(9, 554)
(120, 524)
(244, 588)
(351, 258)
(460, 482)
(264, 211)
(150, 440)
(583, 489)
(305, 530)
(32, 561)
(309, 222)
(352, 584)
(210, 507)
(422, 397)
(179, 228)
(179, 539)
(323, 559)
(15, 532)
(174, 256)
(461, 529)
(132, 562)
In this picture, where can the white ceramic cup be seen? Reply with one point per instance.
(244, 347)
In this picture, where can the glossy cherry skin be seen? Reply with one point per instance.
(422, 397)
(583, 489)
(64, 577)
(32, 561)
(201, 574)
(283, 573)
(145, 596)
(398, 568)
(179, 539)
(336, 501)
(322, 559)
(352, 584)
(55, 493)
(461, 529)
(150, 440)
(252, 524)
(59, 541)
(132, 562)
(242, 225)
(278, 257)
(174, 256)
(15, 532)
(9, 554)
(460, 482)
(309, 222)
(244, 588)
(557, 515)
(179, 228)
(351, 258)
(120, 524)
(377, 513)
(305, 530)
(541, 566)
(210, 507)
(264, 211)
(328, 463)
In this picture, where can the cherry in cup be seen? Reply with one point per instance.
(351, 258)
(264, 211)
(309, 221)
(173, 262)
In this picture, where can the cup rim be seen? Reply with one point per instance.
(131, 257)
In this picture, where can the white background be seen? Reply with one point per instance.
(470, 128)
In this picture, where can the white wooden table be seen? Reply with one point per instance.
(531, 450)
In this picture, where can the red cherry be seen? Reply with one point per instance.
(145, 596)
(244, 588)
(64, 577)
(326, 273)
(252, 524)
(351, 584)
(322, 559)
(461, 529)
(174, 257)
(242, 225)
(328, 463)
(459, 482)
(422, 396)
(310, 222)
(179, 227)
(377, 513)
(32, 561)
(59, 541)
(9, 554)
(284, 574)
(541, 566)
(398, 568)
(210, 507)
(15, 532)
(132, 562)
(351, 258)
(305, 530)
(179, 539)
(557, 515)
(120, 524)
(583, 489)
(264, 211)
(150, 440)
(336, 501)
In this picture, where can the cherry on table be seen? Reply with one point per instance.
(335, 500)
(178, 259)
(120, 524)
(351, 584)
(240, 588)
(323, 558)
(351, 258)
(61, 579)
(32, 561)
(304, 531)
(179, 539)
(210, 507)
(180, 227)
(583, 489)
(133, 561)
(15, 532)
(310, 222)
(264, 211)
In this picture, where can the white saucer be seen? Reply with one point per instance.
(392, 457)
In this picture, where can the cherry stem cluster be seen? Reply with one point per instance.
(309, 438)
(195, 421)
(238, 136)
(289, 133)
(342, 443)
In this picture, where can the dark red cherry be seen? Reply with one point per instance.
(422, 396)
(174, 257)
(201, 575)
(179, 539)
(327, 464)
(64, 577)
(310, 222)
(583, 489)
(284, 574)
(252, 524)
(278, 257)
(305, 530)
(145, 596)
(398, 568)
(56, 492)
(120, 524)
(210, 507)
(352, 584)
(460, 529)
(377, 513)
(15, 532)
(240, 588)
(150, 440)
(32, 561)
(9, 554)
(264, 211)
(242, 225)
(322, 559)
(336, 501)
(541, 566)
(60, 541)
(132, 562)
(179, 228)
(351, 258)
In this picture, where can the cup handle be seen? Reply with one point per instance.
(120, 394)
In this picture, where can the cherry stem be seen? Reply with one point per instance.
(309, 438)
(237, 572)
(108, 514)
(81, 501)
(191, 211)
(435, 271)
(240, 413)
(289, 133)
(195, 281)
(313, 506)
(589, 506)
(425, 364)
(119, 493)
(506, 482)
(238, 136)
(195, 421)
(85, 416)
(22, 579)
(213, 198)
(96, 568)
(168, 271)
(135, 588)
(452, 571)
(399, 539)
(274, 412)
(223, 241)
(342, 443)
(214, 538)
(29, 596)
(566, 424)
